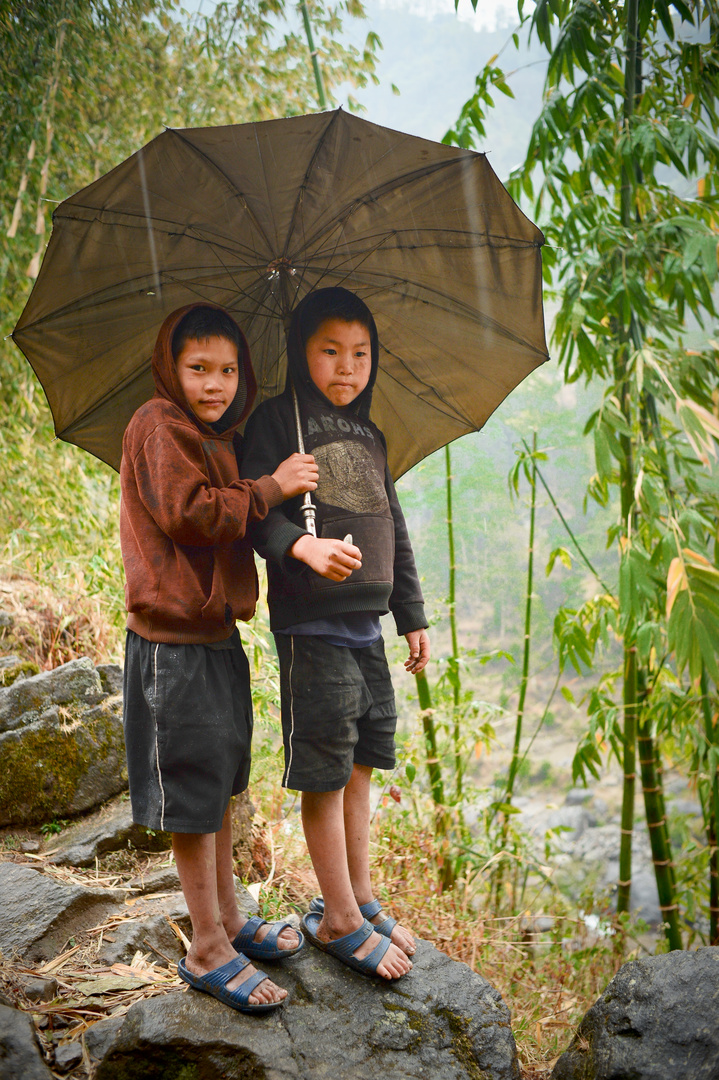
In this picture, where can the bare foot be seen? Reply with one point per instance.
(394, 964)
(287, 938)
(400, 936)
(202, 961)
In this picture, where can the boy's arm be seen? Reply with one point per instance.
(172, 483)
(267, 441)
(406, 601)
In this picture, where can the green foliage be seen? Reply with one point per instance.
(82, 86)
(622, 169)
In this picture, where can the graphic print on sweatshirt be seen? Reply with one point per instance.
(349, 478)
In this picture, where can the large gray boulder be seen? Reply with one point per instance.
(39, 914)
(76, 682)
(61, 745)
(440, 1022)
(657, 1020)
(108, 829)
(20, 1057)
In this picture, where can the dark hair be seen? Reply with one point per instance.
(205, 322)
(333, 303)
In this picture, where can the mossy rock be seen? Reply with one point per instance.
(69, 761)
(21, 669)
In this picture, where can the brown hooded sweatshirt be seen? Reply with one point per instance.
(189, 570)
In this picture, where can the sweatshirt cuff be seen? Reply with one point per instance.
(409, 617)
(270, 491)
(281, 540)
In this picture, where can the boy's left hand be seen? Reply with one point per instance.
(418, 641)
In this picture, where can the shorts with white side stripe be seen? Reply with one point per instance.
(338, 710)
(188, 731)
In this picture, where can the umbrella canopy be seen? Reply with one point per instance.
(252, 217)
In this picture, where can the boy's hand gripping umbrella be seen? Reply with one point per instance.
(254, 216)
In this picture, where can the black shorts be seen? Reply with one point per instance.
(338, 710)
(188, 731)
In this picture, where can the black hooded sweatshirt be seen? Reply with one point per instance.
(355, 495)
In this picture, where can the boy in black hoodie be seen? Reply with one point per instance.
(326, 594)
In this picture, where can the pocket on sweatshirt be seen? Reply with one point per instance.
(374, 536)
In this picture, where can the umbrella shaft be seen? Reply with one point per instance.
(308, 507)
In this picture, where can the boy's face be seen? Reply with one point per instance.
(339, 360)
(208, 372)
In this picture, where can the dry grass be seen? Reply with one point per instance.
(50, 628)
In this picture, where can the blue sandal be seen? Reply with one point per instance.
(215, 983)
(343, 948)
(267, 949)
(368, 910)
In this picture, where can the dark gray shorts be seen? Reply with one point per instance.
(188, 731)
(338, 710)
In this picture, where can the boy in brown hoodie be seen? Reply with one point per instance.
(190, 576)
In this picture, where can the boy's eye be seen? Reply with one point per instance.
(229, 371)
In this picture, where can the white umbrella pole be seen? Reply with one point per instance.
(308, 507)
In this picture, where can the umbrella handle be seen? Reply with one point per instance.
(308, 507)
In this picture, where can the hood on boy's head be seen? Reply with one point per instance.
(331, 303)
(164, 372)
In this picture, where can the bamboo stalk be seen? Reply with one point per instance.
(514, 763)
(434, 772)
(313, 54)
(712, 817)
(451, 605)
(524, 681)
(434, 768)
(626, 484)
(658, 835)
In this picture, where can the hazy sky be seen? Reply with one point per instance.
(433, 54)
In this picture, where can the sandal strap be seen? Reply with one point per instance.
(246, 936)
(222, 975)
(370, 909)
(345, 946)
(373, 959)
(385, 928)
(244, 990)
(274, 932)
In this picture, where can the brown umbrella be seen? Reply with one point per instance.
(253, 216)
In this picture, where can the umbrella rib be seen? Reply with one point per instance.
(305, 178)
(216, 167)
(450, 410)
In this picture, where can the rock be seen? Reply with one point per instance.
(108, 829)
(657, 1020)
(37, 989)
(110, 678)
(69, 760)
(578, 796)
(29, 846)
(25, 702)
(39, 914)
(100, 1037)
(441, 1021)
(20, 1055)
(67, 1056)
(6, 620)
(13, 669)
(163, 879)
(149, 935)
(690, 807)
